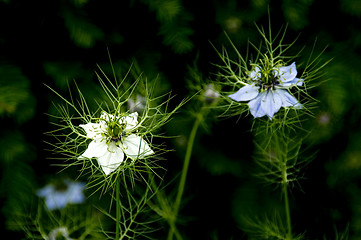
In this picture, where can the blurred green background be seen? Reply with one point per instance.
(57, 42)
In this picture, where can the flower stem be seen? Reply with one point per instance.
(183, 179)
(117, 209)
(287, 211)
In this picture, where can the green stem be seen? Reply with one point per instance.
(287, 210)
(183, 178)
(117, 209)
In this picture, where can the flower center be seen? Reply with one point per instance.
(115, 131)
(60, 186)
(268, 81)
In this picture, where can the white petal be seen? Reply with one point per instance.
(135, 147)
(255, 106)
(112, 159)
(271, 103)
(287, 73)
(95, 149)
(245, 93)
(93, 130)
(131, 121)
(107, 117)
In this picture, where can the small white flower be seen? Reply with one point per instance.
(113, 137)
(267, 94)
(137, 105)
(58, 198)
(57, 233)
(210, 94)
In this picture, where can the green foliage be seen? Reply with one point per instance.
(16, 99)
(17, 176)
(77, 222)
(83, 33)
(174, 24)
(296, 13)
(63, 72)
(268, 228)
(353, 7)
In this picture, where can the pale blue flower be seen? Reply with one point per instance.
(58, 198)
(266, 98)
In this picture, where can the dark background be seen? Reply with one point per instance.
(56, 42)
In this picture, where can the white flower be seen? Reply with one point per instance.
(137, 105)
(59, 233)
(56, 198)
(113, 137)
(210, 94)
(267, 94)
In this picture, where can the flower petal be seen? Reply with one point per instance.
(294, 82)
(256, 73)
(93, 130)
(60, 232)
(46, 191)
(75, 192)
(287, 73)
(271, 103)
(131, 121)
(112, 159)
(95, 149)
(135, 147)
(255, 106)
(57, 200)
(245, 93)
(107, 117)
(287, 99)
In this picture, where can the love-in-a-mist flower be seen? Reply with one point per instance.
(113, 137)
(138, 104)
(210, 94)
(58, 197)
(59, 233)
(267, 90)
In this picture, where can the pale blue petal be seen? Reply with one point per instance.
(246, 93)
(75, 192)
(287, 73)
(271, 103)
(255, 106)
(45, 191)
(294, 82)
(53, 200)
(256, 73)
(56, 201)
(299, 82)
(287, 99)
(298, 106)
